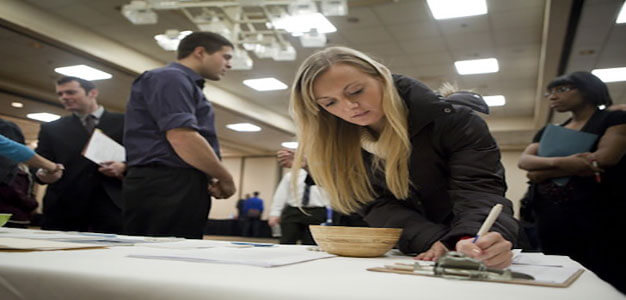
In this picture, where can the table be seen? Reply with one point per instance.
(110, 274)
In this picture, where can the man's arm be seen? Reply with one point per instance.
(192, 148)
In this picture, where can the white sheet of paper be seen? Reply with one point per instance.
(256, 256)
(186, 244)
(102, 148)
(546, 273)
(29, 244)
(536, 259)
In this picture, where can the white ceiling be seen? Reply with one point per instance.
(402, 34)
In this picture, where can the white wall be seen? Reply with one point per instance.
(515, 178)
(226, 208)
(250, 174)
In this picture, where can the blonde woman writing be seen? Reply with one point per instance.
(390, 149)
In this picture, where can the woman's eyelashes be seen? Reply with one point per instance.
(356, 92)
(349, 93)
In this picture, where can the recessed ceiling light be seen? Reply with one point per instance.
(497, 100)
(448, 9)
(43, 117)
(84, 72)
(171, 38)
(265, 84)
(290, 145)
(610, 74)
(476, 66)
(243, 127)
(621, 18)
(17, 104)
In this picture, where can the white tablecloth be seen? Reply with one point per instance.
(109, 274)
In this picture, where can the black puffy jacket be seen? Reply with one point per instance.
(455, 173)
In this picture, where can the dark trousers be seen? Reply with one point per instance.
(294, 225)
(251, 227)
(99, 214)
(166, 201)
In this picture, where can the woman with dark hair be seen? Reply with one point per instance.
(582, 218)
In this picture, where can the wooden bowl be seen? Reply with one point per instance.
(355, 241)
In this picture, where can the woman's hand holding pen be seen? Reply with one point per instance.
(492, 249)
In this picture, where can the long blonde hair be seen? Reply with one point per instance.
(332, 146)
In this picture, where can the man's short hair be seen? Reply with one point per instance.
(210, 41)
(85, 84)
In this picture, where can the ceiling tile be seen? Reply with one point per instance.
(440, 57)
(499, 5)
(359, 17)
(415, 30)
(402, 12)
(368, 35)
(470, 42)
(464, 25)
(424, 45)
(531, 35)
(519, 18)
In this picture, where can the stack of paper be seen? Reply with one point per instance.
(18, 244)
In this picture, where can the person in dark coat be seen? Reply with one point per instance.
(89, 196)
(583, 217)
(392, 150)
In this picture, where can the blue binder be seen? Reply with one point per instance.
(561, 141)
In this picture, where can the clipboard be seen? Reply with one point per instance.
(460, 267)
(561, 141)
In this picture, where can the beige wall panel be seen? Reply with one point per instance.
(226, 208)
(515, 178)
(260, 174)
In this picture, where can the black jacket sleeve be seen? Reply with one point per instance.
(418, 232)
(476, 180)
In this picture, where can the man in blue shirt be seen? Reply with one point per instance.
(171, 144)
(252, 209)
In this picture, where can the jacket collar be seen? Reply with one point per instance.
(195, 77)
(423, 104)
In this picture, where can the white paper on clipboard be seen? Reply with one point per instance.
(101, 148)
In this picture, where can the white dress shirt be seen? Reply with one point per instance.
(283, 195)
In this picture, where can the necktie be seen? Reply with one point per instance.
(306, 195)
(90, 123)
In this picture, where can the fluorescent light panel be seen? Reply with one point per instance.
(301, 23)
(497, 100)
(477, 66)
(243, 127)
(43, 117)
(84, 72)
(170, 39)
(290, 145)
(610, 74)
(265, 84)
(448, 9)
(17, 104)
(621, 18)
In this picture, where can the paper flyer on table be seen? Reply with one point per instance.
(102, 148)
(255, 256)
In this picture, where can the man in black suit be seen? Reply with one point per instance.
(88, 196)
